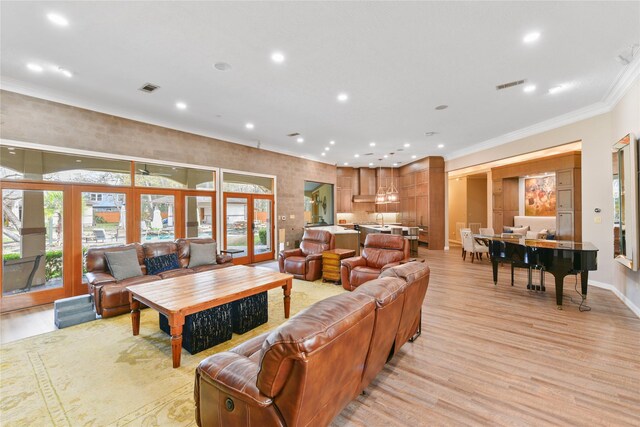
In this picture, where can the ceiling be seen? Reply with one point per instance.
(396, 61)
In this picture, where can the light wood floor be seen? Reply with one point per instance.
(502, 355)
(490, 355)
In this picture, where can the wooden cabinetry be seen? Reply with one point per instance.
(568, 204)
(422, 199)
(344, 190)
(331, 263)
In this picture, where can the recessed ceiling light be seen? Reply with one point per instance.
(395, 164)
(370, 164)
(385, 156)
(356, 155)
(58, 19)
(65, 72)
(277, 57)
(346, 164)
(323, 154)
(301, 139)
(442, 107)
(35, 67)
(249, 125)
(372, 144)
(413, 157)
(531, 37)
(440, 145)
(529, 88)
(343, 97)
(326, 148)
(181, 106)
(407, 145)
(558, 88)
(222, 66)
(332, 142)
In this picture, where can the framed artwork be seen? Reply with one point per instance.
(540, 196)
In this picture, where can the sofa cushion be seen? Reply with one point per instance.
(202, 254)
(295, 265)
(158, 264)
(123, 264)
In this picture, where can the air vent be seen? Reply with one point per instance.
(368, 154)
(294, 134)
(510, 84)
(149, 87)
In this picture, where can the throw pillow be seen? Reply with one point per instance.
(123, 264)
(202, 254)
(161, 263)
(535, 235)
(522, 230)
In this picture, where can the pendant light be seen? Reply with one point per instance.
(392, 191)
(381, 195)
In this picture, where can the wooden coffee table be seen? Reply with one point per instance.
(181, 296)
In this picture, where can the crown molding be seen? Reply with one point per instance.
(544, 126)
(622, 83)
(614, 94)
(13, 85)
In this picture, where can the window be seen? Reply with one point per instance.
(162, 176)
(241, 183)
(37, 165)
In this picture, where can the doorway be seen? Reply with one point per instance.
(249, 227)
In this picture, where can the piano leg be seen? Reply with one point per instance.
(584, 279)
(559, 288)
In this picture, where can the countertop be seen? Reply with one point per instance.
(335, 229)
(385, 228)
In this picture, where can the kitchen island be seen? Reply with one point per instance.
(344, 237)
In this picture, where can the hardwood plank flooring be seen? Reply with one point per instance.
(489, 355)
(502, 355)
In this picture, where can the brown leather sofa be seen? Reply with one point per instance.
(111, 296)
(381, 251)
(307, 370)
(306, 262)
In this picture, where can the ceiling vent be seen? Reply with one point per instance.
(510, 84)
(368, 154)
(149, 87)
(294, 134)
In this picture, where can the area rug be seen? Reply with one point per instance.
(98, 373)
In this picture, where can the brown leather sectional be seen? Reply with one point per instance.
(305, 263)
(307, 370)
(111, 297)
(381, 251)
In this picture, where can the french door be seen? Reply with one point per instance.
(36, 248)
(249, 227)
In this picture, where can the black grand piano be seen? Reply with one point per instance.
(558, 257)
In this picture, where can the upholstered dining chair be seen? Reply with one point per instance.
(306, 262)
(469, 244)
(487, 231)
(381, 251)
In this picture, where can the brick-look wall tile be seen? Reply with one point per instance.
(35, 120)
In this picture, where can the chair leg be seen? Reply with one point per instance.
(473, 254)
(512, 274)
(464, 255)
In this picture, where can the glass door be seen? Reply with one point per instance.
(262, 224)
(236, 222)
(199, 215)
(34, 249)
(248, 227)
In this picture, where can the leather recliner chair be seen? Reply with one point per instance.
(306, 262)
(381, 251)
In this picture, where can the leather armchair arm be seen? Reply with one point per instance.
(223, 259)
(353, 262)
(314, 257)
(99, 279)
(391, 264)
(291, 252)
(235, 375)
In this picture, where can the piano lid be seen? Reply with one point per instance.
(546, 244)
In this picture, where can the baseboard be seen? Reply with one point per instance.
(617, 293)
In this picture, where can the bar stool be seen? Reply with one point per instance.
(413, 239)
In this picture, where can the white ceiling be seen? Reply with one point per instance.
(397, 61)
